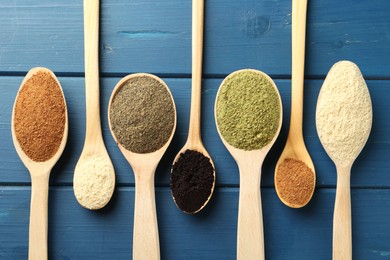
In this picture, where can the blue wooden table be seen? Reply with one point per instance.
(155, 37)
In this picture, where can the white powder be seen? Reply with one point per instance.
(94, 181)
(344, 112)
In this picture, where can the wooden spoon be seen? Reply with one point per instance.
(145, 235)
(40, 173)
(295, 146)
(250, 239)
(343, 125)
(94, 144)
(194, 139)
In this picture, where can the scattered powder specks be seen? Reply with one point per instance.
(344, 112)
(94, 181)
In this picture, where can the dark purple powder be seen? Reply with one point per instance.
(192, 180)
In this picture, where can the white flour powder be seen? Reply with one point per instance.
(94, 181)
(344, 112)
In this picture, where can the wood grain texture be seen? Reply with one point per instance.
(145, 36)
(342, 221)
(371, 169)
(76, 233)
(155, 37)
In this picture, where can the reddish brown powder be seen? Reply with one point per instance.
(295, 182)
(39, 117)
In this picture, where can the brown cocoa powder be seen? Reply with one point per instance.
(192, 181)
(294, 181)
(39, 116)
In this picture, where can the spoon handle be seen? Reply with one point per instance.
(37, 248)
(91, 60)
(342, 227)
(298, 65)
(250, 239)
(145, 237)
(197, 52)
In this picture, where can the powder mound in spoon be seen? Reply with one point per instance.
(248, 110)
(94, 181)
(192, 181)
(294, 182)
(39, 117)
(344, 112)
(142, 115)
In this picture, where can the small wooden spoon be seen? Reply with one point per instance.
(194, 139)
(40, 173)
(145, 234)
(250, 238)
(295, 146)
(94, 144)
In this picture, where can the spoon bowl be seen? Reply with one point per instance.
(145, 235)
(250, 239)
(40, 174)
(195, 144)
(25, 159)
(295, 149)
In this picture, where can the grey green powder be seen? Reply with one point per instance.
(142, 114)
(248, 110)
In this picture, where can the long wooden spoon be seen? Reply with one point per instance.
(40, 173)
(145, 234)
(295, 147)
(343, 120)
(194, 139)
(93, 196)
(250, 239)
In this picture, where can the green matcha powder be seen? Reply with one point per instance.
(248, 110)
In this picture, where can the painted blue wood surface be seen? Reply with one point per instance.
(151, 36)
(76, 233)
(155, 36)
(372, 169)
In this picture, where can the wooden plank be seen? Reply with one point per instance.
(370, 170)
(76, 233)
(156, 37)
